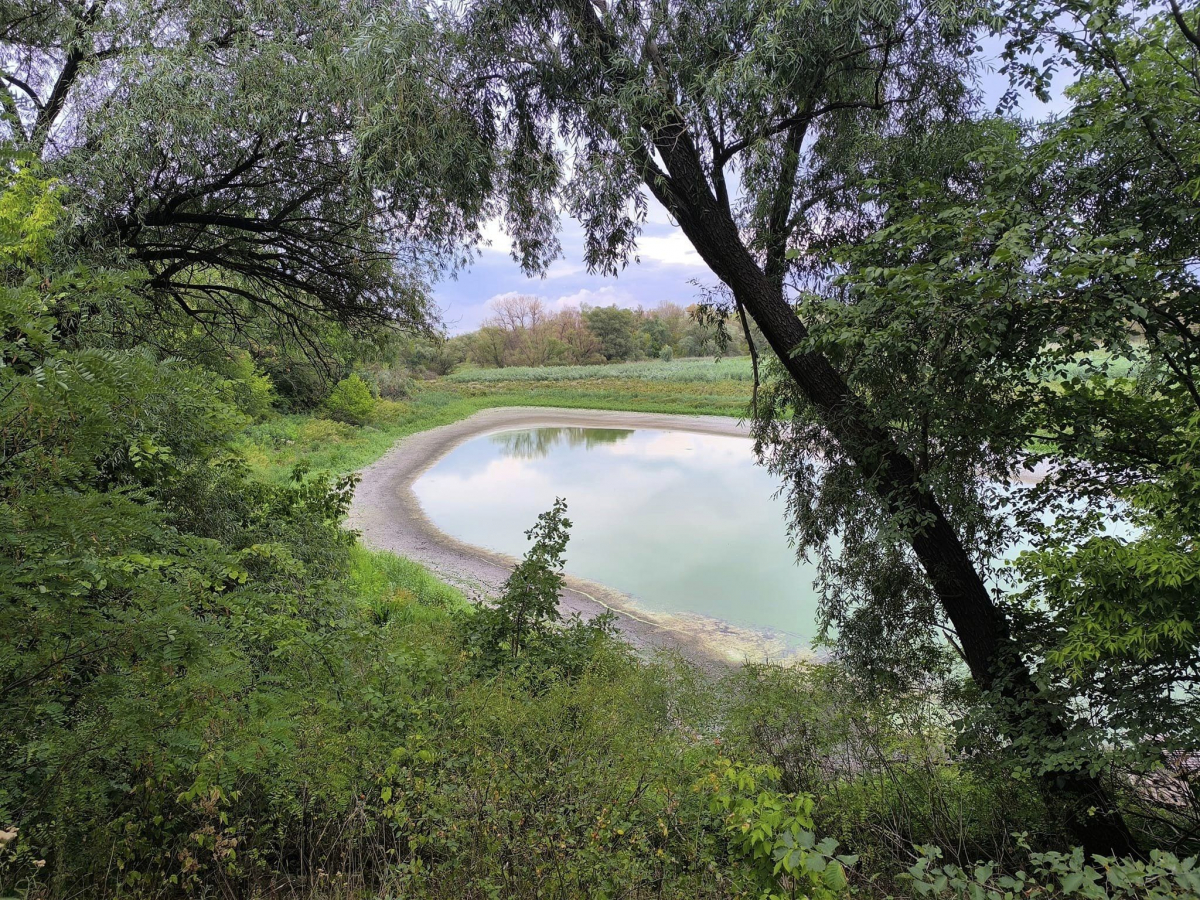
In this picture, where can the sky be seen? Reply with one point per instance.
(666, 269)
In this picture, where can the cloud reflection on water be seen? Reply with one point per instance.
(683, 522)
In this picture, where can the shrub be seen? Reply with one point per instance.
(771, 834)
(1051, 875)
(666, 354)
(247, 386)
(351, 401)
(524, 628)
(392, 383)
(883, 765)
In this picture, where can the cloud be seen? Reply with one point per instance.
(671, 249)
(493, 300)
(562, 268)
(667, 270)
(494, 238)
(608, 295)
(655, 213)
(662, 243)
(603, 296)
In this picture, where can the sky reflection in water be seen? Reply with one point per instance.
(682, 522)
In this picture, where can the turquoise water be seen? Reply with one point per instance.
(681, 522)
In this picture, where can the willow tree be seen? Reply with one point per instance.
(742, 118)
(1049, 288)
(218, 145)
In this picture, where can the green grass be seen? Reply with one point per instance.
(380, 576)
(395, 589)
(684, 386)
(703, 370)
(274, 447)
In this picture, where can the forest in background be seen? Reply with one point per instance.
(219, 227)
(522, 331)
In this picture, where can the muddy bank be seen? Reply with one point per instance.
(387, 513)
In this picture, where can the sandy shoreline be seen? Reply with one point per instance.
(388, 515)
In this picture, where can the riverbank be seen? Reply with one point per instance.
(389, 516)
(275, 447)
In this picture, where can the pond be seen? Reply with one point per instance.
(680, 522)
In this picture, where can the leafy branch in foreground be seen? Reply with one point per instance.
(523, 624)
(1053, 875)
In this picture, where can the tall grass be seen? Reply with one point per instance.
(393, 588)
(702, 369)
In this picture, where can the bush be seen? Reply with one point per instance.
(666, 354)
(176, 635)
(1051, 875)
(883, 765)
(391, 383)
(351, 401)
(247, 386)
(524, 628)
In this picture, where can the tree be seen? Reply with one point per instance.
(614, 329)
(577, 343)
(655, 334)
(671, 99)
(523, 317)
(488, 347)
(230, 150)
(528, 606)
(676, 320)
(1032, 297)
(141, 569)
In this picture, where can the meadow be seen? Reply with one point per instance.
(694, 370)
(686, 387)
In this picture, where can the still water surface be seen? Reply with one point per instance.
(681, 522)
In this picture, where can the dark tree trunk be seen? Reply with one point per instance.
(983, 632)
(981, 627)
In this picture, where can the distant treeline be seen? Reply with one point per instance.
(523, 331)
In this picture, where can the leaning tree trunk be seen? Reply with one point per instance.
(981, 627)
(983, 632)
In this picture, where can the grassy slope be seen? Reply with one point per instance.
(697, 370)
(685, 386)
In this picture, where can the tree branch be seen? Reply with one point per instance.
(76, 56)
(24, 88)
(753, 355)
(777, 230)
(799, 119)
(806, 117)
(1188, 31)
(12, 114)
